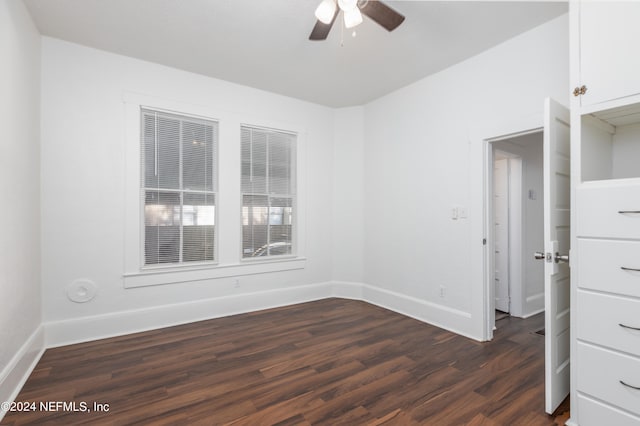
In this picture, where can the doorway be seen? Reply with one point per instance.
(515, 204)
(507, 186)
(550, 291)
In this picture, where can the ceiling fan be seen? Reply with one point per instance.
(328, 11)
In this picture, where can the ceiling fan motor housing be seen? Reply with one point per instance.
(328, 11)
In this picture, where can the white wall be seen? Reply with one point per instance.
(83, 203)
(348, 195)
(529, 148)
(625, 152)
(379, 182)
(20, 307)
(421, 158)
(417, 159)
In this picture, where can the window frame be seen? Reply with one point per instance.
(229, 238)
(181, 191)
(293, 196)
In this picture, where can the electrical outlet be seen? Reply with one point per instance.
(236, 283)
(442, 292)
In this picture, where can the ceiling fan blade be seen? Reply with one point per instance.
(321, 30)
(382, 14)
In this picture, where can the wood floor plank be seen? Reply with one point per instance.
(329, 362)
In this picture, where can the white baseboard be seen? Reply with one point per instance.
(441, 316)
(77, 330)
(59, 333)
(530, 314)
(347, 290)
(533, 305)
(16, 373)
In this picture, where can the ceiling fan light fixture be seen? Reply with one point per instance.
(377, 10)
(325, 11)
(348, 5)
(352, 17)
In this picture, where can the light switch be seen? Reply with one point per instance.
(463, 212)
(454, 213)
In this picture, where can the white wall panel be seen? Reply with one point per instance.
(20, 301)
(84, 175)
(348, 195)
(421, 159)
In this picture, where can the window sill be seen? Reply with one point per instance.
(181, 274)
(268, 259)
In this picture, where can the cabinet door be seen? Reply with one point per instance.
(609, 60)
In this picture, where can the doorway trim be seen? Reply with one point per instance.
(488, 311)
(515, 183)
(499, 127)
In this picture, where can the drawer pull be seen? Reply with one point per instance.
(624, 268)
(629, 211)
(629, 386)
(629, 327)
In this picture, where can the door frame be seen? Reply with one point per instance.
(488, 232)
(515, 184)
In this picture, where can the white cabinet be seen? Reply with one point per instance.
(609, 143)
(609, 62)
(611, 266)
(611, 321)
(609, 209)
(596, 413)
(605, 244)
(601, 374)
(606, 301)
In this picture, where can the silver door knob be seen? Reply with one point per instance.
(561, 258)
(539, 255)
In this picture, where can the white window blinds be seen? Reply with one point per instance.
(179, 168)
(268, 192)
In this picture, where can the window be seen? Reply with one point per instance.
(268, 192)
(179, 168)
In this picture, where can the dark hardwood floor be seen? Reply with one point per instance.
(330, 362)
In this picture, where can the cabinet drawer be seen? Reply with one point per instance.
(594, 413)
(599, 208)
(600, 264)
(599, 318)
(599, 374)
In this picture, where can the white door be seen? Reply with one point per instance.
(556, 242)
(609, 32)
(501, 233)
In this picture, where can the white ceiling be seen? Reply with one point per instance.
(264, 43)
